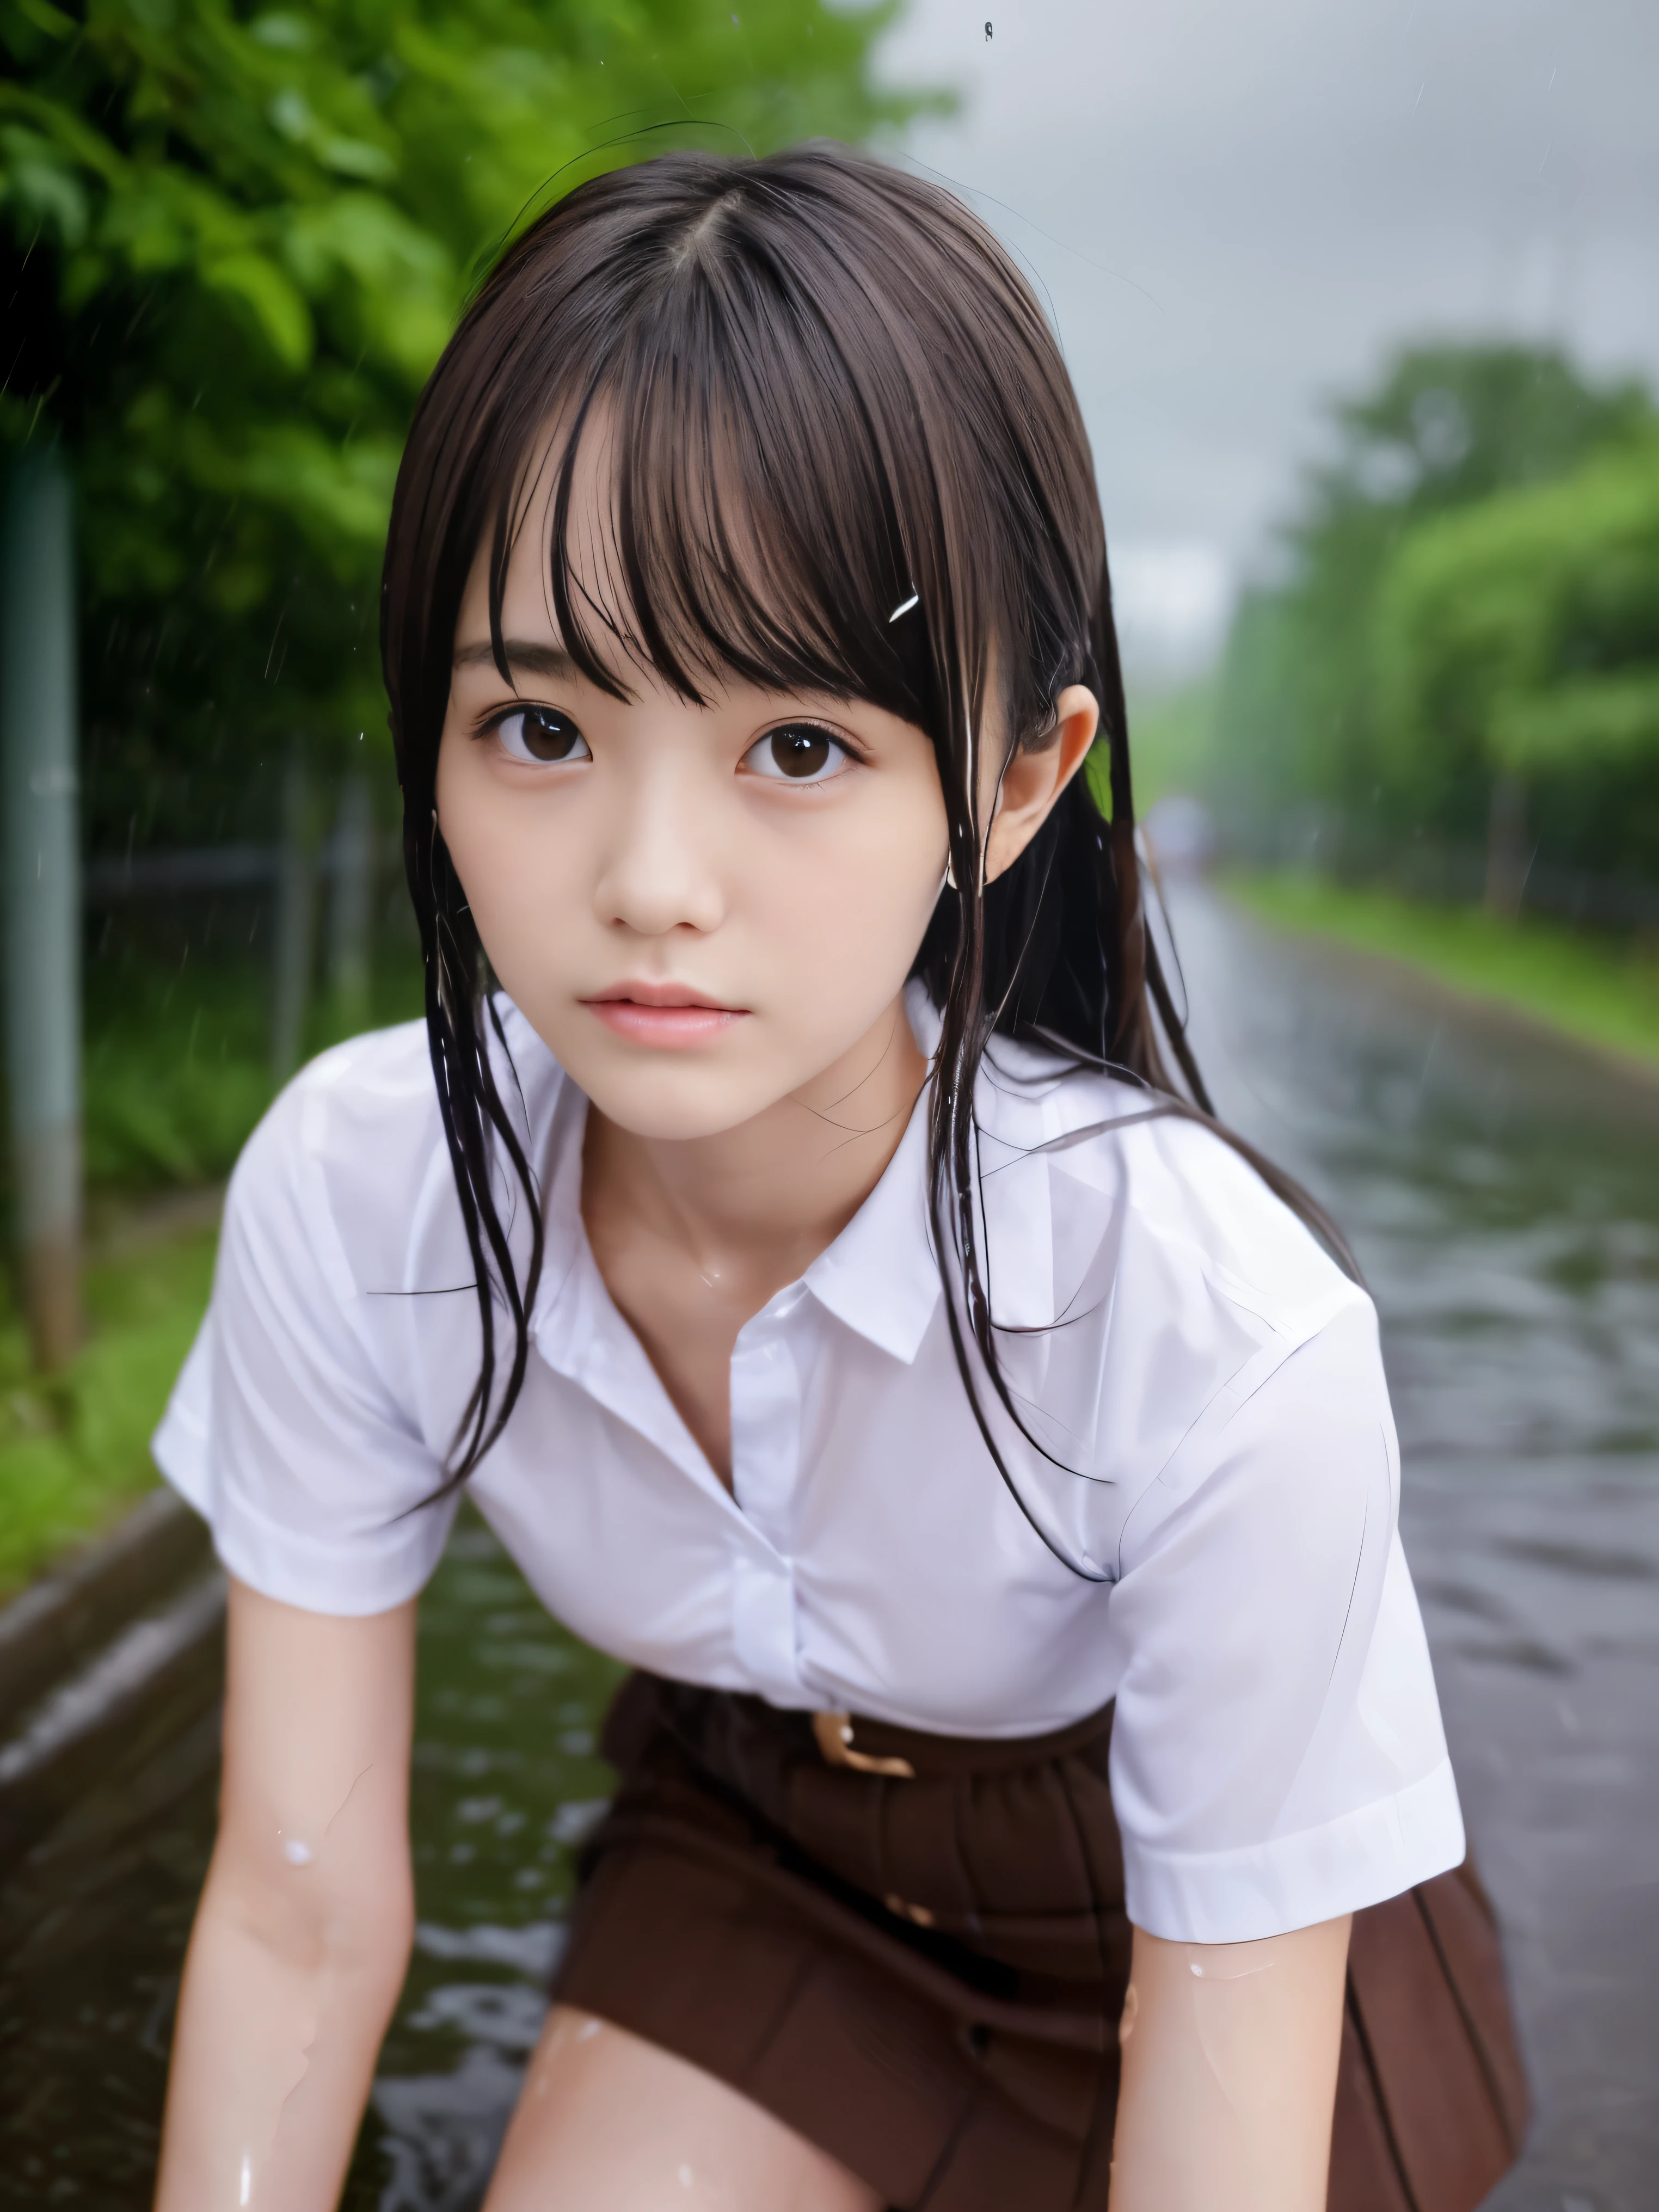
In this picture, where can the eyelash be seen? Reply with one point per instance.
(497, 725)
(849, 755)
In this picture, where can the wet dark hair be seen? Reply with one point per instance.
(824, 390)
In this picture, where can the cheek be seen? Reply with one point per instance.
(462, 809)
(500, 847)
(850, 902)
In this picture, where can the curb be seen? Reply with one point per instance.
(76, 1608)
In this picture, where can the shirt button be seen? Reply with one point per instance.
(763, 1626)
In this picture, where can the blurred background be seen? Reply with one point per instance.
(1362, 304)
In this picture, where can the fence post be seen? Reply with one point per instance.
(1508, 861)
(40, 776)
(292, 952)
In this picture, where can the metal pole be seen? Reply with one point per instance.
(39, 787)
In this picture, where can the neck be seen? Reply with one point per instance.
(762, 1201)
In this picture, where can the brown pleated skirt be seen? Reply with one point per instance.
(917, 1961)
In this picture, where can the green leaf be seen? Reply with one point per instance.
(278, 311)
(284, 33)
(43, 17)
(290, 113)
(41, 190)
(356, 157)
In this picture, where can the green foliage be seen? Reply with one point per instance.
(1450, 425)
(1171, 734)
(238, 241)
(1526, 630)
(1448, 433)
(1520, 638)
(178, 1066)
(75, 1450)
(1607, 995)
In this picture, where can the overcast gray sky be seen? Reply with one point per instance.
(1235, 207)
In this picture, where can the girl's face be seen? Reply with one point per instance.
(699, 910)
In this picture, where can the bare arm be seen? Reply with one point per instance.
(303, 1933)
(1229, 2054)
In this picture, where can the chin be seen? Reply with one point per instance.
(669, 1114)
(675, 1099)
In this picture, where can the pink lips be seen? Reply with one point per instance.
(666, 1015)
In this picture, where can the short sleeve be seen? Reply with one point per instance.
(1278, 1757)
(283, 1430)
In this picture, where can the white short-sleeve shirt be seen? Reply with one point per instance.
(1220, 1461)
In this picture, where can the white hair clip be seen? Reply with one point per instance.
(915, 600)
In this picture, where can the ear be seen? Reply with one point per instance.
(1032, 781)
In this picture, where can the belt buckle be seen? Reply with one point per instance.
(834, 1732)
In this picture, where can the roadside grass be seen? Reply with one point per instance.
(1602, 991)
(178, 1062)
(75, 1446)
(176, 1074)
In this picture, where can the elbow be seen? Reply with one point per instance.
(320, 1927)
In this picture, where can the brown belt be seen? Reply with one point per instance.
(871, 1746)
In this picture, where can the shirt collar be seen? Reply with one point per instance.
(880, 1276)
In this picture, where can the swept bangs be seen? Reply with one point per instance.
(789, 442)
(710, 529)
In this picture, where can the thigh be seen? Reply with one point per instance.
(609, 2123)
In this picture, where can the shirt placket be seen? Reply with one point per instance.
(766, 1422)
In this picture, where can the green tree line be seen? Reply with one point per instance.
(1462, 651)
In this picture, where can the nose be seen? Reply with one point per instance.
(657, 871)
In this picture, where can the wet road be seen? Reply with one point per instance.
(1502, 1192)
(94, 1920)
(1503, 1196)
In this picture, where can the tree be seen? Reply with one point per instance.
(1445, 428)
(1515, 646)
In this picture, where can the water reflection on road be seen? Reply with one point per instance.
(505, 1785)
(1503, 1194)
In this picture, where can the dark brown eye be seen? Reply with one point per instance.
(541, 735)
(797, 752)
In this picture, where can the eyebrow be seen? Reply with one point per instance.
(550, 660)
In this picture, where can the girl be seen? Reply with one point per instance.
(786, 1229)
